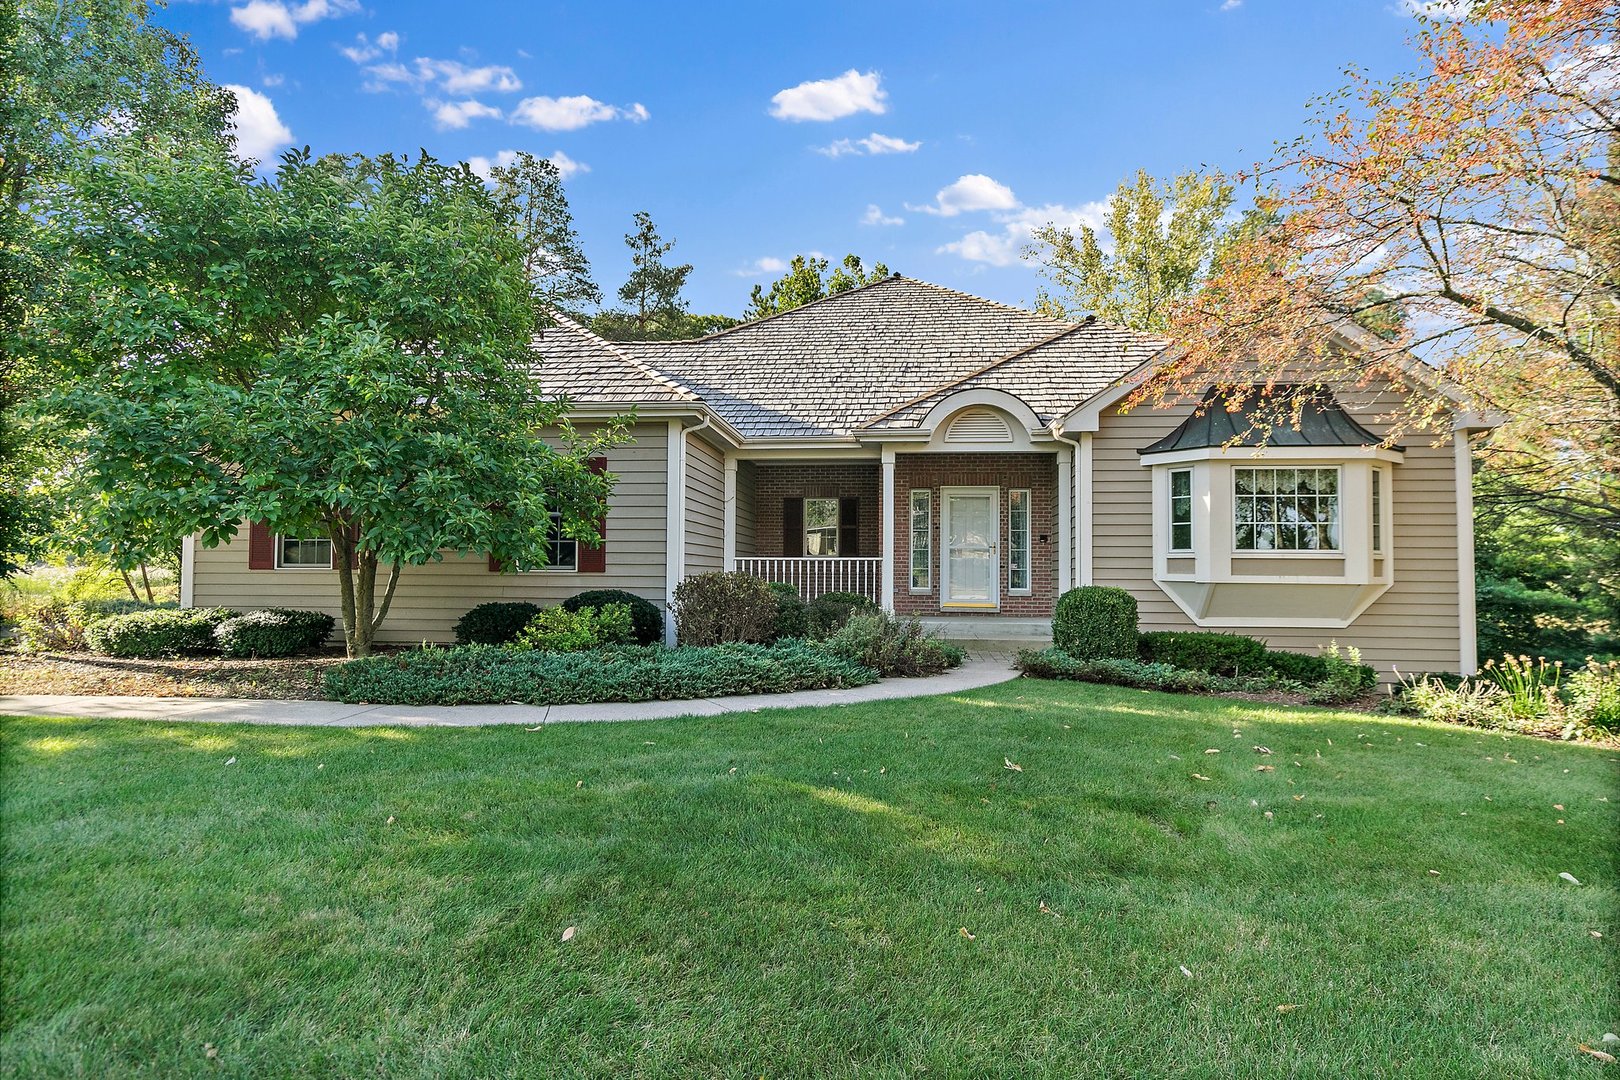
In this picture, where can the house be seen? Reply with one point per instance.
(966, 461)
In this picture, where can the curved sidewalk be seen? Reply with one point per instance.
(973, 674)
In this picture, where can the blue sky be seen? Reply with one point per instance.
(928, 136)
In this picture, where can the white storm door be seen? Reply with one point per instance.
(971, 566)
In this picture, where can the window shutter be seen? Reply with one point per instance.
(849, 528)
(593, 560)
(496, 566)
(261, 547)
(793, 527)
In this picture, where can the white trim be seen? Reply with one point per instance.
(1279, 456)
(1339, 552)
(188, 572)
(1029, 539)
(674, 523)
(952, 404)
(1467, 622)
(945, 602)
(1065, 510)
(927, 495)
(729, 515)
(1083, 478)
(886, 587)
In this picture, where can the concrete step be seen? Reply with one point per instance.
(990, 628)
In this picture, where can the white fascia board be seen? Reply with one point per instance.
(1276, 455)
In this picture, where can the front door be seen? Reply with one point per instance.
(971, 568)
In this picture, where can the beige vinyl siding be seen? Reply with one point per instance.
(747, 509)
(705, 507)
(1413, 626)
(431, 598)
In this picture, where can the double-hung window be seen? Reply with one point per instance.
(1181, 510)
(821, 527)
(1285, 509)
(562, 552)
(296, 554)
(1378, 511)
(922, 540)
(1018, 541)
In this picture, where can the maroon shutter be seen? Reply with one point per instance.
(495, 566)
(261, 547)
(849, 528)
(793, 527)
(593, 560)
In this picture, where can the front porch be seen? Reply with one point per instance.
(974, 542)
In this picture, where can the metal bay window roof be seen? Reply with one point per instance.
(1220, 420)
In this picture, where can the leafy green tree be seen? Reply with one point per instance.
(79, 79)
(654, 308)
(1165, 237)
(807, 280)
(341, 353)
(530, 193)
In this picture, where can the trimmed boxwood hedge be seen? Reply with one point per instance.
(144, 635)
(273, 632)
(1054, 663)
(646, 621)
(489, 675)
(1096, 621)
(495, 623)
(1217, 654)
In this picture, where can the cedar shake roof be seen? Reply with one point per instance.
(1216, 423)
(875, 358)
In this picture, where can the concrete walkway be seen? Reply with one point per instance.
(984, 668)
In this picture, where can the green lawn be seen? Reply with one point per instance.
(785, 894)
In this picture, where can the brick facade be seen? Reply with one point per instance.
(1035, 472)
(815, 480)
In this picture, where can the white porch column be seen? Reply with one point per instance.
(729, 516)
(886, 589)
(1082, 501)
(1467, 624)
(1065, 508)
(674, 523)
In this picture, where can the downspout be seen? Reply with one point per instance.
(1069, 525)
(675, 551)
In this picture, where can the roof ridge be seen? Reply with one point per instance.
(992, 303)
(779, 314)
(635, 362)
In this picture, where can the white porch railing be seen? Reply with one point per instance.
(815, 576)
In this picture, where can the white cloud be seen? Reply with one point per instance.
(768, 264)
(1231, 5)
(456, 78)
(872, 144)
(566, 166)
(975, 191)
(875, 216)
(259, 131)
(829, 99)
(388, 39)
(365, 49)
(424, 72)
(266, 19)
(458, 114)
(572, 113)
(1439, 10)
(980, 246)
(273, 80)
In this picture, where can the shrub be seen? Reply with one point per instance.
(829, 611)
(1054, 663)
(1531, 687)
(792, 613)
(892, 646)
(273, 632)
(1096, 621)
(58, 625)
(720, 607)
(1474, 702)
(485, 675)
(1342, 681)
(646, 621)
(560, 630)
(495, 623)
(157, 632)
(1217, 654)
(1594, 696)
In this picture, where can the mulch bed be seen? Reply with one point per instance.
(84, 673)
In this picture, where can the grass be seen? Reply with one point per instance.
(786, 894)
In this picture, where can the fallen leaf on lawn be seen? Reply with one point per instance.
(1602, 1055)
(568, 934)
(1185, 972)
(883, 770)
(1265, 768)
(210, 1050)
(1268, 815)
(1175, 757)
(232, 761)
(731, 770)
(1255, 803)
(1434, 873)
(1212, 750)
(579, 783)
(1560, 821)
(1298, 797)
(537, 727)
(1048, 911)
(964, 932)
(1200, 776)
(1286, 1008)
(1569, 877)
(1262, 749)
(1596, 933)
(1009, 763)
(390, 819)
(1558, 806)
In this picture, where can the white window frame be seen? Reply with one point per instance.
(555, 529)
(1377, 511)
(1337, 551)
(331, 552)
(1027, 550)
(1171, 497)
(922, 503)
(837, 528)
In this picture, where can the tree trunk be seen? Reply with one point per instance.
(130, 585)
(343, 552)
(357, 582)
(146, 585)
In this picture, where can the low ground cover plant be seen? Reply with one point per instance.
(157, 632)
(646, 620)
(892, 646)
(273, 632)
(487, 675)
(561, 630)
